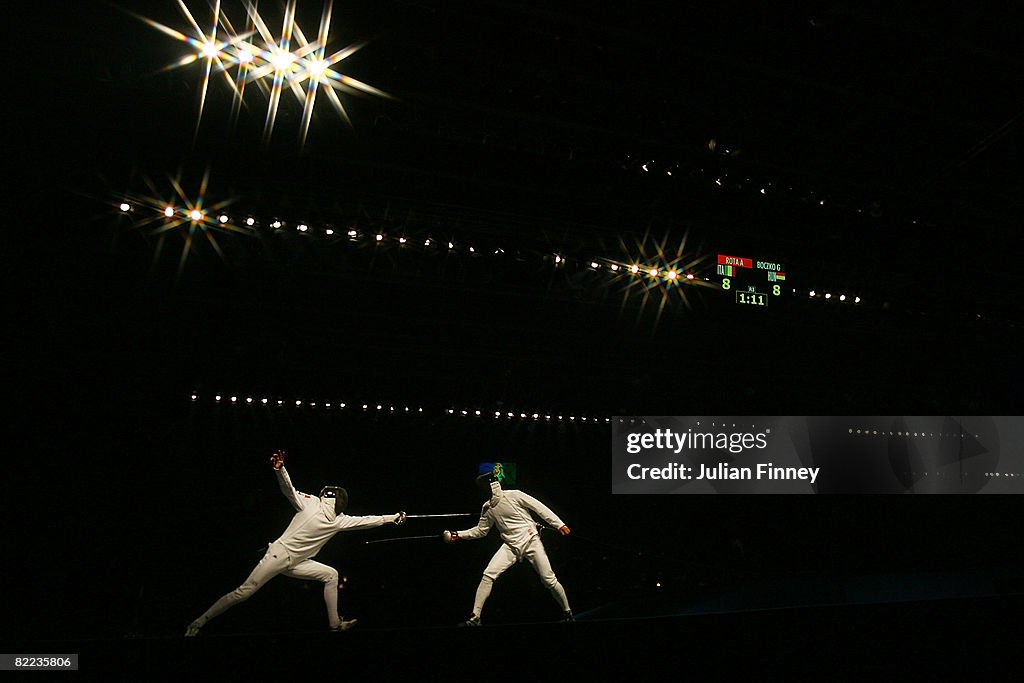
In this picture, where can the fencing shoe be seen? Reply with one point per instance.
(473, 620)
(344, 625)
(568, 617)
(192, 630)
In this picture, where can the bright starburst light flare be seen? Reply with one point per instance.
(271, 62)
(181, 211)
(209, 49)
(663, 276)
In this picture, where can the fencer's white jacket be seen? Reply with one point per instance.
(509, 511)
(315, 521)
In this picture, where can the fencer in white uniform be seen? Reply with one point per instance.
(316, 520)
(510, 511)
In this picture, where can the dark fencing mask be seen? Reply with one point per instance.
(483, 485)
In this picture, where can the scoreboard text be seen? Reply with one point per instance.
(754, 282)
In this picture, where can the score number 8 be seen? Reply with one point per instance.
(727, 284)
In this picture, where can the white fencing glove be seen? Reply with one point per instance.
(395, 519)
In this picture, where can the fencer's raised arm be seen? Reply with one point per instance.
(482, 528)
(285, 482)
(539, 509)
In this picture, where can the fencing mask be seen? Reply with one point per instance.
(486, 485)
(335, 495)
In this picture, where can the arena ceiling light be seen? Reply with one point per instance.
(274, 61)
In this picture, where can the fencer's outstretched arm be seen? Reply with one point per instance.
(482, 528)
(284, 481)
(539, 509)
(348, 522)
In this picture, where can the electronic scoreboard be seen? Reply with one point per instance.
(752, 282)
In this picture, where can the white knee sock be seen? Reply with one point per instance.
(559, 594)
(483, 591)
(226, 601)
(331, 599)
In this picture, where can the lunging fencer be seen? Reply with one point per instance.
(316, 520)
(509, 511)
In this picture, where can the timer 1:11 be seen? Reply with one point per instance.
(751, 298)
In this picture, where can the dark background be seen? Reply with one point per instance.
(522, 126)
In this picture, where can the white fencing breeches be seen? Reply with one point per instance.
(505, 558)
(278, 561)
